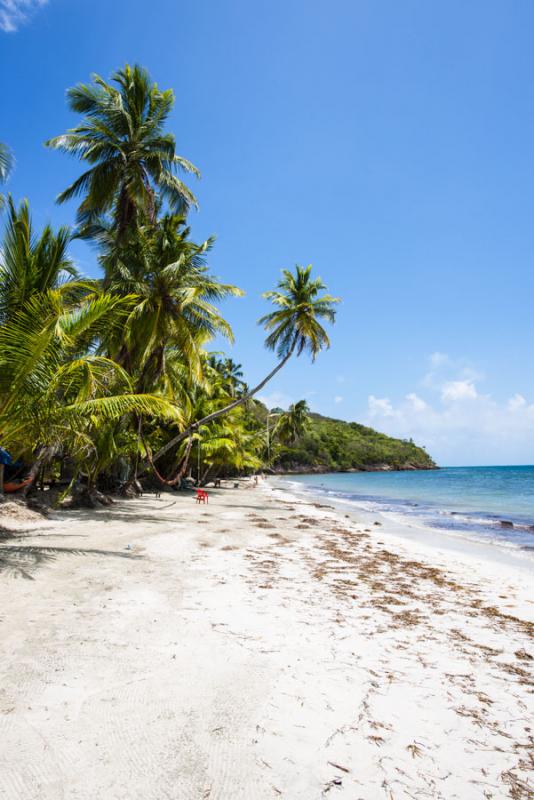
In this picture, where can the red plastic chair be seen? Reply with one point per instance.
(202, 496)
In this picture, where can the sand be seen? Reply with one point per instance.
(258, 647)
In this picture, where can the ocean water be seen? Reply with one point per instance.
(467, 502)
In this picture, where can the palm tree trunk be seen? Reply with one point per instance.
(181, 469)
(215, 414)
(45, 454)
(139, 438)
(185, 461)
(204, 479)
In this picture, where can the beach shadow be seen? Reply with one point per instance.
(129, 511)
(254, 507)
(21, 561)
(6, 535)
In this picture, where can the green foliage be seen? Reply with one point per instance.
(295, 325)
(292, 424)
(54, 399)
(132, 160)
(31, 264)
(176, 295)
(114, 375)
(335, 445)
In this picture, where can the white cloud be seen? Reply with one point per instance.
(452, 391)
(14, 13)
(380, 407)
(417, 403)
(338, 399)
(516, 402)
(439, 359)
(457, 423)
(442, 368)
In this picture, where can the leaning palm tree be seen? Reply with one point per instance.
(132, 161)
(294, 328)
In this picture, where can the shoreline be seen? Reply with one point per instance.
(450, 551)
(506, 536)
(396, 524)
(261, 646)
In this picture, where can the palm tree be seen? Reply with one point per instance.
(228, 446)
(233, 374)
(161, 344)
(294, 327)
(174, 311)
(233, 442)
(52, 397)
(31, 264)
(57, 392)
(293, 423)
(196, 397)
(133, 162)
(230, 372)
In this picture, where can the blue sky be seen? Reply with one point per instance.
(388, 143)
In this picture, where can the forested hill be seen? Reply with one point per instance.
(334, 445)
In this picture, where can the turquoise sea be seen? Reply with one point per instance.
(478, 503)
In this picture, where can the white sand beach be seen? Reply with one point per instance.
(261, 646)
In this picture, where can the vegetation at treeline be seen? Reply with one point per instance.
(333, 445)
(106, 381)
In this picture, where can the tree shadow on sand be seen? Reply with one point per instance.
(21, 561)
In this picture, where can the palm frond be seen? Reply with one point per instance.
(6, 162)
(120, 405)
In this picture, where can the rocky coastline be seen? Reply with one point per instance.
(321, 469)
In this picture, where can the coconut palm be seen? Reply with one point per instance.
(232, 442)
(294, 328)
(175, 292)
(196, 398)
(231, 373)
(31, 263)
(293, 423)
(51, 397)
(295, 325)
(132, 161)
(227, 445)
(232, 370)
